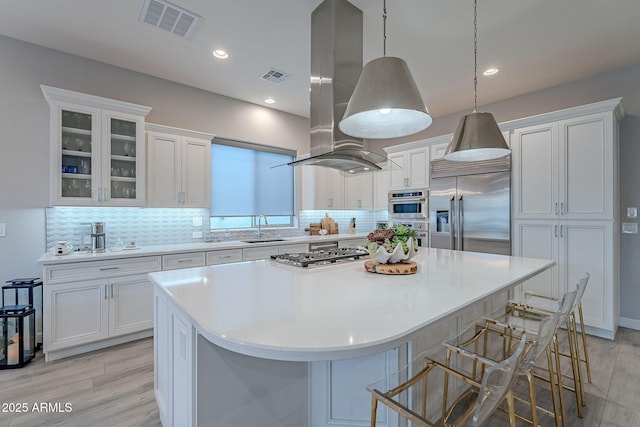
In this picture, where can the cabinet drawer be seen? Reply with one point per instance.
(262, 252)
(224, 256)
(101, 269)
(351, 243)
(176, 261)
(293, 249)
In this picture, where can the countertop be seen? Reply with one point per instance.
(50, 259)
(275, 311)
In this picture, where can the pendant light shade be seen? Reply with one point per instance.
(385, 103)
(477, 137)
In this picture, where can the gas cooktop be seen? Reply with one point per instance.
(329, 256)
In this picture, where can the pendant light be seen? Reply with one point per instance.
(386, 102)
(477, 136)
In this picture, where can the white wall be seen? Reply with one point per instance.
(24, 131)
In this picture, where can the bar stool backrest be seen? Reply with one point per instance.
(582, 285)
(496, 383)
(546, 330)
(567, 305)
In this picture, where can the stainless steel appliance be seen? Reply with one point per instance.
(421, 228)
(407, 205)
(98, 240)
(470, 205)
(321, 257)
(323, 245)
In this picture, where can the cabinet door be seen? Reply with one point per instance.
(182, 362)
(417, 172)
(535, 172)
(358, 191)
(75, 313)
(130, 304)
(588, 248)
(586, 160)
(75, 169)
(196, 173)
(538, 239)
(259, 252)
(186, 260)
(161, 358)
(336, 184)
(397, 170)
(381, 184)
(123, 152)
(164, 175)
(436, 151)
(338, 390)
(316, 192)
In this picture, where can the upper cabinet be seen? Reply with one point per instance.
(323, 188)
(565, 168)
(179, 168)
(358, 190)
(97, 150)
(409, 168)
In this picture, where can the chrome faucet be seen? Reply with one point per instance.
(259, 232)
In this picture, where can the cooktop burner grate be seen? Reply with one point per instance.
(320, 257)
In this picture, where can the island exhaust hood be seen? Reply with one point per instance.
(336, 64)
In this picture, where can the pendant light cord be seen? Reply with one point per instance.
(384, 27)
(475, 55)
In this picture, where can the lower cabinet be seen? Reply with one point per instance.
(92, 305)
(351, 243)
(174, 360)
(578, 247)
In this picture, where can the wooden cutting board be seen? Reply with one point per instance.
(410, 267)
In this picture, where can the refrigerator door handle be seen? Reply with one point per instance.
(452, 224)
(459, 224)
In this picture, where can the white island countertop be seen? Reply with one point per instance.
(274, 311)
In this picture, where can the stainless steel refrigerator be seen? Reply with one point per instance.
(469, 205)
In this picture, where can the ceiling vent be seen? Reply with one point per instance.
(169, 17)
(275, 76)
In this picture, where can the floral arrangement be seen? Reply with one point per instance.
(391, 245)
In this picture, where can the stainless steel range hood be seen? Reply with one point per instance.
(336, 64)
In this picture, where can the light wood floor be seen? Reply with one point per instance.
(114, 387)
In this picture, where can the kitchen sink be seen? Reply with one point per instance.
(263, 240)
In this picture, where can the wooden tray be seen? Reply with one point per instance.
(410, 267)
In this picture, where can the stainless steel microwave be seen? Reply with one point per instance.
(408, 204)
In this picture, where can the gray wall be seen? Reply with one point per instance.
(24, 136)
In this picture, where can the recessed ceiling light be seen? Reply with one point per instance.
(490, 71)
(220, 54)
(270, 101)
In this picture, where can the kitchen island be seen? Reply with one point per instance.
(260, 343)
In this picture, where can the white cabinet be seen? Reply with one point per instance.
(323, 188)
(179, 170)
(258, 252)
(295, 248)
(410, 168)
(185, 260)
(174, 361)
(97, 154)
(358, 190)
(95, 304)
(224, 256)
(565, 197)
(564, 169)
(381, 184)
(578, 247)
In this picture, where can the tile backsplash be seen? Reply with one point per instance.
(160, 226)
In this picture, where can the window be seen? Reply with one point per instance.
(249, 180)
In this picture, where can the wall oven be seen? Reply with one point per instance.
(408, 205)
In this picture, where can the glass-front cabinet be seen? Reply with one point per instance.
(97, 150)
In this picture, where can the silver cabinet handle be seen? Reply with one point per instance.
(561, 231)
(105, 291)
(561, 208)
(112, 291)
(108, 268)
(555, 208)
(185, 260)
(555, 230)
(459, 225)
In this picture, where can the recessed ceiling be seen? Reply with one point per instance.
(535, 44)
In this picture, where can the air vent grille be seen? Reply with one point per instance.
(275, 76)
(169, 17)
